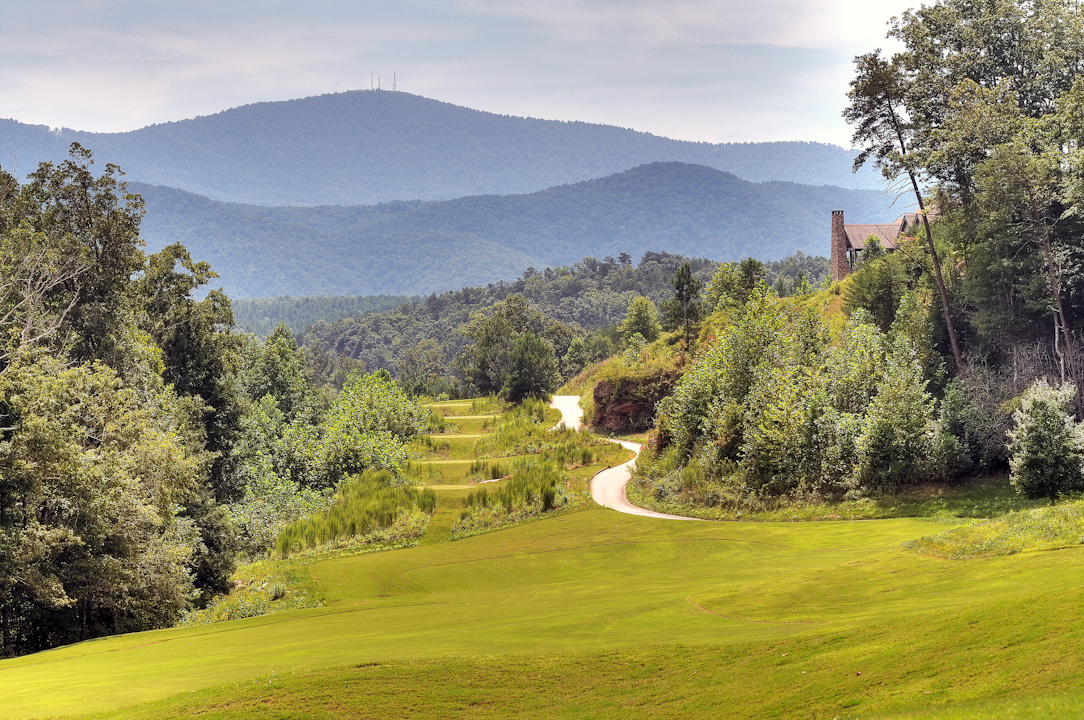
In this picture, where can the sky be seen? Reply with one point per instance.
(705, 70)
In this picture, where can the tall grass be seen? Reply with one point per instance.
(487, 470)
(364, 504)
(524, 430)
(420, 473)
(486, 405)
(534, 488)
(1045, 528)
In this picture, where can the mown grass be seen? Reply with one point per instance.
(602, 615)
(589, 613)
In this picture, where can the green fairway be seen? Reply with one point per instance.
(587, 612)
(842, 595)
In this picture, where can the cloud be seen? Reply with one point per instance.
(692, 69)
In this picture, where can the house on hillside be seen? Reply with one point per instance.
(849, 240)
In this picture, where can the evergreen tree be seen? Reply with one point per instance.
(684, 311)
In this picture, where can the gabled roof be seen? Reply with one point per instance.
(857, 235)
(887, 234)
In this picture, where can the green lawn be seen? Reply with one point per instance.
(590, 613)
(758, 619)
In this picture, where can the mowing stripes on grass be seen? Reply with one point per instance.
(364, 504)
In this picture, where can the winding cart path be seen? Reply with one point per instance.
(608, 487)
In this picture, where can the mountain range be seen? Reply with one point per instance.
(366, 147)
(407, 248)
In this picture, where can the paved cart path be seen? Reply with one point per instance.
(608, 487)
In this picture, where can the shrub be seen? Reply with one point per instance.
(1046, 446)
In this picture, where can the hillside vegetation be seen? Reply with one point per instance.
(591, 295)
(367, 147)
(417, 247)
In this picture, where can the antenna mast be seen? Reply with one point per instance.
(393, 82)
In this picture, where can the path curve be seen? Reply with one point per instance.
(608, 488)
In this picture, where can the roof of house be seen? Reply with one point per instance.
(887, 234)
(858, 234)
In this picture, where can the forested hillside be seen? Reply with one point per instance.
(418, 247)
(591, 294)
(367, 147)
(261, 315)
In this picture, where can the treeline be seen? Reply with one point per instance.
(592, 296)
(262, 315)
(962, 351)
(146, 446)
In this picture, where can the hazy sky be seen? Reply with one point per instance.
(714, 70)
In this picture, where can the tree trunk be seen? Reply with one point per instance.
(949, 326)
(1061, 322)
(5, 622)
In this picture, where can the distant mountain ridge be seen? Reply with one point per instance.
(365, 147)
(407, 248)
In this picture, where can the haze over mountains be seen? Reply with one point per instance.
(364, 147)
(422, 247)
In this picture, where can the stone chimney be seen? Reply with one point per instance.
(841, 264)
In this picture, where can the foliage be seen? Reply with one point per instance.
(1046, 445)
(591, 293)
(92, 540)
(260, 316)
(515, 349)
(641, 318)
(877, 286)
(364, 505)
(773, 409)
(684, 310)
(270, 503)
(532, 369)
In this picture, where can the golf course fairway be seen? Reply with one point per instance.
(780, 616)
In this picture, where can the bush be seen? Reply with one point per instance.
(1046, 445)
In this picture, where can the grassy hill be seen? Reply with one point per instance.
(420, 247)
(365, 147)
(604, 615)
(586, 612)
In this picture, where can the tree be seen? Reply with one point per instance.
(684, 311)
(533, 369)
(276, 367)
(487, 364)
(420, 365)
(878, 286)
(642, 317)
(90, 478)
(1046, 447)
(1022, 187)
(877, 96)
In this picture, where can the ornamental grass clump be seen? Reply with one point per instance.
(365, 505)
(533, 489)
(525, 431)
